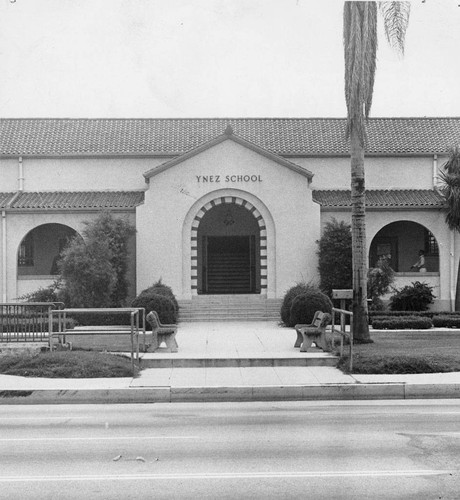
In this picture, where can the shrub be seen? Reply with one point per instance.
(408, 322)
(50, 293)
(335, 256)
(441, 321)
(89, 276)
(414, 297)
(161, 289)
(164, 306)
(379, 280)
(306, 304)
(94, 269)
(289, 296)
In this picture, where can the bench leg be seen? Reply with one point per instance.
(155, 344)
(171, 343)
(298, 341)
(307, 342)
(324, 343)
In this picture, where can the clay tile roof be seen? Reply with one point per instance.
(5, 198)
(282, 136)
(384, 198)
(78, 200)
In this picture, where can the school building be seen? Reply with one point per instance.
(222, 206)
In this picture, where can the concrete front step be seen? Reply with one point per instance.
(246, 307)
(158, 360)
(226, 318)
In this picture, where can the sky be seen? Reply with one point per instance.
(213, 58)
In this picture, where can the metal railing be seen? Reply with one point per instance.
(26, 321)
(342, 331)
(136, 326)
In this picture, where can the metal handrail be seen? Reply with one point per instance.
(343, 331)
(136, 313)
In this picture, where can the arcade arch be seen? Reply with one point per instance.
(400, 242)
(39, 250)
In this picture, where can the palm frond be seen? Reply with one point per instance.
(452, 165)
(450, 188)
(395, 20)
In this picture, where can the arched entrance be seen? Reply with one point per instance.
(229, 248)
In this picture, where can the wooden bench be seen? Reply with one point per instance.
(314, 332)
(162, 333)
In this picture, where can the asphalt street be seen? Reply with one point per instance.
(325, 450)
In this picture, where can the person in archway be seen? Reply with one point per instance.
(420, 264)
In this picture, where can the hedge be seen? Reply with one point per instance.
(409, 323)
(443, 321)
(423, 314)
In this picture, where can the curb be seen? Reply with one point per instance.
(232, 394)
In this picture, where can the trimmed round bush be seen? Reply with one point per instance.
(289, 296)
(305, 305)
(164, 306)
(161, 289)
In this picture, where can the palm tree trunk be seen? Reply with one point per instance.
(358, 232)
(457, 290)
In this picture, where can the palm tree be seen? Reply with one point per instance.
(450, 177)
(360, 48)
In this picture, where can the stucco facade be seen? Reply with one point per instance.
(264, 192)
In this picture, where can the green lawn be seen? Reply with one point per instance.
(66, 364)
(408, 352)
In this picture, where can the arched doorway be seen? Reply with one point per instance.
(229, 248)
(400, 242)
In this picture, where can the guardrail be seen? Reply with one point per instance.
(137, 324)
(342, 331)
(26, 321)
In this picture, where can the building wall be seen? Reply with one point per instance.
(381, 172)
(176, 195)
(55, 174)
(9, 173)
(78, 174)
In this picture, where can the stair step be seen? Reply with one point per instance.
(228, 307)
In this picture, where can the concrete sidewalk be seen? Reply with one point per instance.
(263, 366)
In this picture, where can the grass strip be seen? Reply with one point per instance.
(66, 364)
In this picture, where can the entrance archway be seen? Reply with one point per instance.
(229, 248)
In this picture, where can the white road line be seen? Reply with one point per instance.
(113, 438)
(42, 418)
(227, 475)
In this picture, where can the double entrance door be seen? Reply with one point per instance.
(229, 264)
